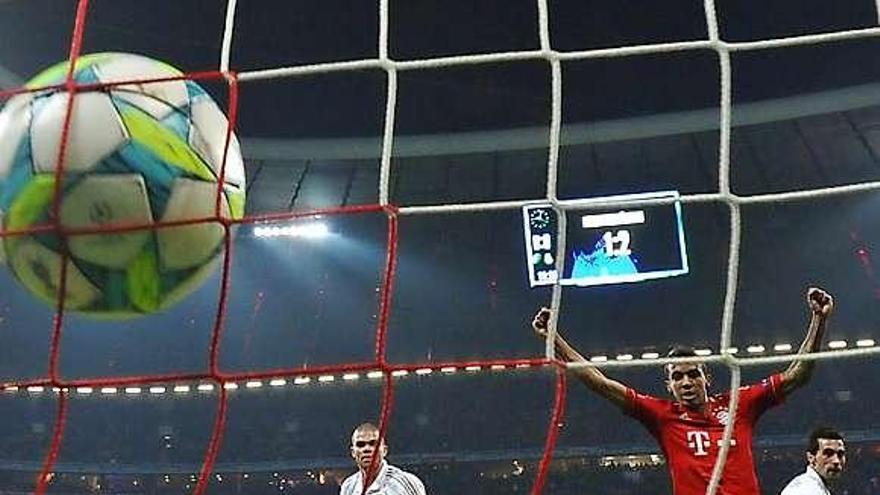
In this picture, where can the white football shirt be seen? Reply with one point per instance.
(807, 483)
(390, 480)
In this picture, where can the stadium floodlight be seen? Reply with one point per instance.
(313, 230)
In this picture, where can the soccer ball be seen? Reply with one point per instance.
(136, 154)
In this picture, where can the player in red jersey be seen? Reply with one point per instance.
(689, 428)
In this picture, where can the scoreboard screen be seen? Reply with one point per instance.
(617, 245)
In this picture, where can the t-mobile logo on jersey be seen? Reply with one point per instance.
(699, 441)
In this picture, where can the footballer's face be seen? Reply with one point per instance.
(688, 384)
(829, 459)
(364, 446)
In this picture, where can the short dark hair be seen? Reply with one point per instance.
(679, 351)
(367, 426)
(825, 432)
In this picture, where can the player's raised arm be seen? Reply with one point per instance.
(610, 389)
(799, 372)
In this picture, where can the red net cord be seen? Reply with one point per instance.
(556, 422)
(213, 360)
(381, 339)
(57, 322)
(222, 402)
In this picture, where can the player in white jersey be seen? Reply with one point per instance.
(826, 459)
(387, 479)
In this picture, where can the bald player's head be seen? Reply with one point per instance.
(365, 444)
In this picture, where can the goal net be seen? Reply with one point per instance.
(381, 275)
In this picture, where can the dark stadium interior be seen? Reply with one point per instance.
(804, 117)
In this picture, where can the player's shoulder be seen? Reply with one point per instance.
(769, 381)
(646, 397)
(647, 407)
(409, 482)
(748, 388)
(771, 384)
(348, 484)
(799, 485)
(396, 472)
(654, 402)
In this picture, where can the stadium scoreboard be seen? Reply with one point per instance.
(609, 246)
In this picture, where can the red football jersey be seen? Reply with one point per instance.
(691, 440)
